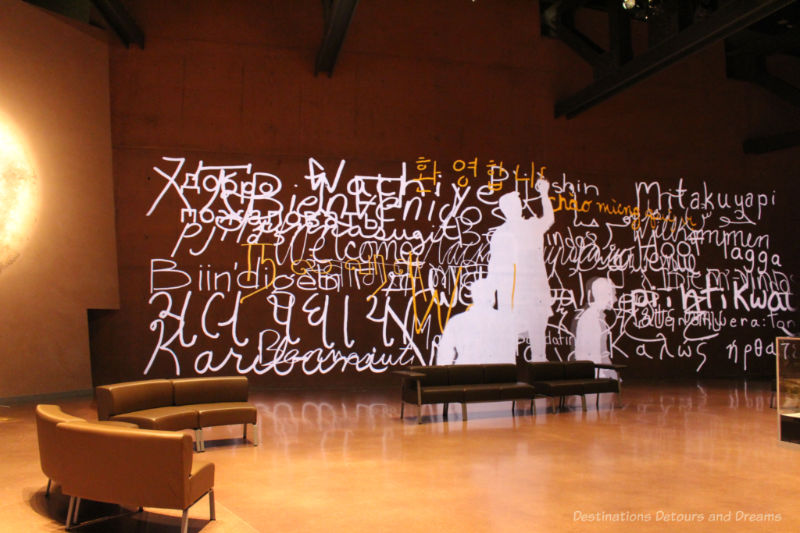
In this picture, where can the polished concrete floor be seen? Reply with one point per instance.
(671, 457)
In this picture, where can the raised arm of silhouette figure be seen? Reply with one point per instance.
(548, 217)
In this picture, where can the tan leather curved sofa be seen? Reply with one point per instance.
(50, 454)
(124, 465)
(176, 404)
(47, 418)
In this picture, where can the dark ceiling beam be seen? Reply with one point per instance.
(559, 23)
(556, 13)
(120, 21)
(750, 42)
(338, 14)
(587, 49)
(770, 143)
(619, 34)
(746, 60)
(730, 18)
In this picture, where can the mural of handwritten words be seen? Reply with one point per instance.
(330, 270)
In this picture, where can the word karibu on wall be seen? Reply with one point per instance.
(336, 271)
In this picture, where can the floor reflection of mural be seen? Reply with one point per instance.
(339, 271)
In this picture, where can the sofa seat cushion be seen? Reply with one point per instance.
(114, 423)
(599, 385)
(442, 394)
(481, 393)
(224, 413)
(517, 391)
(561, 387)
(172, 418)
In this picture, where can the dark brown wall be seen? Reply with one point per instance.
(54, 97)
(232, 83)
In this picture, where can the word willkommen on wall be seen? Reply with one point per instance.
(459, 261)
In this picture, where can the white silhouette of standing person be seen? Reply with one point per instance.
(592, 330)
(479, 335)
(517, 269)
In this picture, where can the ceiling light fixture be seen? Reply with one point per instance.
(642, 9)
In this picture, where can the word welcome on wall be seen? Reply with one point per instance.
(335, 271)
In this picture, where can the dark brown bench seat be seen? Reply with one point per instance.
(462, 384)
(558, 379)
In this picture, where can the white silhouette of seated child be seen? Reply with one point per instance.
(592, 331)
(481, 334)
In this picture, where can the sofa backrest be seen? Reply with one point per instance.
(500, 373)
(465, 374)
(442, 375)
(206, 390)
(132, 396)
(545, 371)
(434, 375)
(47, 418)
(121, 465)
(578, 370)
(557, 370)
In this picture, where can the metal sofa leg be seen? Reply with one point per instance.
(75, 510)
(597, 401)
(244, 432)
(199, 445)
(72, 515)
(255, 434)
(212, 510)
(445, 410)
(464, 411)
(402, 408)
(185, 521)
(583, 402)
(419, 402)
(69, 511)
(72, 512)
(533, 406)
(513, 407)
(47, 492)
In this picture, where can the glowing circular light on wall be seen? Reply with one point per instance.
(18, 195)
